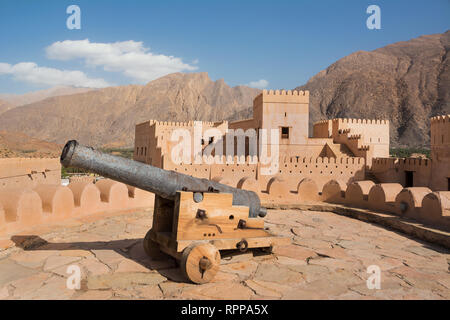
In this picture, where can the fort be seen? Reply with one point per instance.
(343, 161)
(340, 170)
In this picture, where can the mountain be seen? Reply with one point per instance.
(30, 97)
(107, 117)
(406, 82)
(17, 144)
(5, 106)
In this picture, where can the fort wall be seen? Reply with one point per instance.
(31, 195)
(336, 152)
(323, 129)
(388, 170)
(433, 173)
(418, 203)
(371, 131)
(332, 165)
(287, 111)
(440, 134)
(291, 171)
(364, 137)
(154, 138)
(27, 208)
(29, 172)
(440, 153)
(142, 142)
(243, 124)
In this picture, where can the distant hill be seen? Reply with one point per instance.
(17, 144)
(5, 106)
(107, 117)
(406, 82)
(30, 97)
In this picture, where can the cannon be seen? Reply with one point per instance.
(193, 218)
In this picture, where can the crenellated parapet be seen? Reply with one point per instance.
(355, 142)
(185, 124)
(172, 124)
(326, 160)
(323, 129)
(25, 208)
(440, 131)
(237, 161)
(368, 138)
(290, 170)
(284, 93)
(355, 136)
(373, 130)
(418, 203)
(414, 162)
(360, 121)
(440, 119)
(322, 122)
(383, 164)
(282, 96)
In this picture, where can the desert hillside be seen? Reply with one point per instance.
(5, 106)
(405, 82)
(16, 144)
(34, 96)
(106, 117)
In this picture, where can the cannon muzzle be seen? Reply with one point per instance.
(159, 181)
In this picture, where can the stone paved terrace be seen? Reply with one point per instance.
(326, 260)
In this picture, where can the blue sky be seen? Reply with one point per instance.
(281, 42)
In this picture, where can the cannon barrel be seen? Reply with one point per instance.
(159, 181)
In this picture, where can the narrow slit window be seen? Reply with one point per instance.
(284, 132)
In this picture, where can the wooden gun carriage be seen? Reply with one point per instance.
(193, 218)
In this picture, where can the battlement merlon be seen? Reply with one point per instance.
(440, 134)
(440, 119)
(282, 96)
(144, 124)
(359, 121)
(322, 122)
(171, 124)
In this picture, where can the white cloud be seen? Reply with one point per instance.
(260, 84)
(30, 72)
(128, 57)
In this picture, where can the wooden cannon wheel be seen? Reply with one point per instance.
(151, 248)
(200, 262)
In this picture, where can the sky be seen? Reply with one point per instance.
(264, 44)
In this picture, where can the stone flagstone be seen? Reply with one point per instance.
(327, 259)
